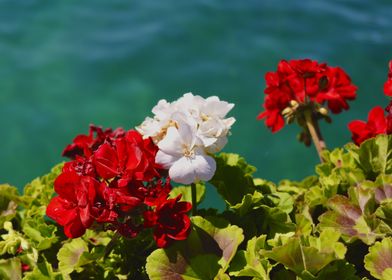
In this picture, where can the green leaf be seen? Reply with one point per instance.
(70, 255)
(383, 192)
(308, 254)
(341, 270)
(347, 218)
(374, 156)
(250, 263)
(41, 234)
(98, 238)
(12, 241)
(186, 193)
(249, 202)
(379, 260)
(10, 269)
(274, 220)
(298, 258)
(384, 212)
(40, 191)
(233, 177)
(9, 200)
(37, 196)
(304, 222)
(315, 196)
(43, 271)
(206, 253)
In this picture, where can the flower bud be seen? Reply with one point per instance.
(287, 111)
(294, 103)
(323, 111)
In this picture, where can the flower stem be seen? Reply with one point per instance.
(194, 201)
(314, 130)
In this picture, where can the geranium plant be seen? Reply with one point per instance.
(120, 208)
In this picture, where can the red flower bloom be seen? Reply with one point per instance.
(304, 81)
(131, 157)
(84, 145)
(73, 207)
(388, 83)
(170, 221)
(82, 166)
(274, 105)
(157, 194)
(113, 201)
(113, 180)
(337, 91)
(377, 124)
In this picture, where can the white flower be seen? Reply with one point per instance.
(181, 153)
(213, 127)
(156, 127)
(186, 131)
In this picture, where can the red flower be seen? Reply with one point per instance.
(388, 83)
(274, 105)
(82, 166)
(84, 145)
(337, 91)
(131, 157)
(73, 207)
(170, 221)
(113, 179)
(157, 194)
(304, 81)
(113, 201)
(376, 124)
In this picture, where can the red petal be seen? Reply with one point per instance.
(105, 161)
(388, 88)
(376, 120)
(59, 213)
(161, 239)
(66, 183)
(74, 229)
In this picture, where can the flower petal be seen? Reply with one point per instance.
(189, 170)
(165, 160)
(172, 143)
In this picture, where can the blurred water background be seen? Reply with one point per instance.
(66, 64)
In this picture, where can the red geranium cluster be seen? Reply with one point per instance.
(113, 181)
(388, 83)
(304, 81)
(378, 122)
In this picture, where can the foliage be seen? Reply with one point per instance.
(335, 224)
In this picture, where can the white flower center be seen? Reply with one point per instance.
(189, 153)
(205, 117)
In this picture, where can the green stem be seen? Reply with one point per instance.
(315, 133)
(194, 200)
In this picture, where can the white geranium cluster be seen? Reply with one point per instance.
(187, 131)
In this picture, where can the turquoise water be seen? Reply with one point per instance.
(66, 64)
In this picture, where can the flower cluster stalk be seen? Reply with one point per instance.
(314, 130)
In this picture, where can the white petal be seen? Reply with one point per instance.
(149, 128)
(186, 128)
(217, 145)
(205, 167)
(229, 122)
(216, 107)
(172, 143)
(165, 160)
(190, 170)
(162, 109)
(207, 141)
(182, 171)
